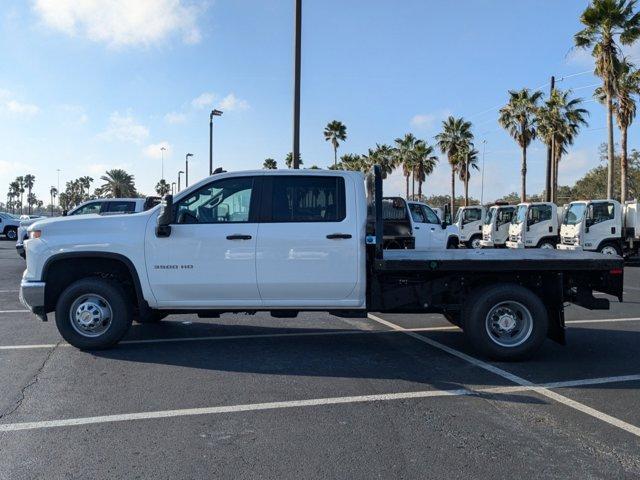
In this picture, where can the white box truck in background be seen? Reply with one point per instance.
(469, 221)
(535, 225)
(495, 231)
(603, 226)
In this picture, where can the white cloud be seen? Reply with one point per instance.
(203, 100)
(74, 113)
(231, 103)
(27, 109)
(427, 121)
(124, 128)
(155, 150)
(175, 117)
(121, 23)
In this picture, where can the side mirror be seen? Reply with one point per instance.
(586, 229)
(165, 218)
(65, 213)
(444, 224)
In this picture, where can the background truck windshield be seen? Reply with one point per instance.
(575, 213)
(521, 215)
(489, 217)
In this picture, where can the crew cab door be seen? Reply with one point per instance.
(602, 222)
(308, 241)
(208, 260)
(421, 231)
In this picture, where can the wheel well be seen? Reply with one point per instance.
(610, 241)
(61, 272)
(453, 240)
(552, 239)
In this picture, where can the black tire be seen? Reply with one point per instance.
(151, 316)
(11, 233)
(474, 242)
(452, 243)
(550, 244)
(116, 299)
(476, 322)
(607, 247)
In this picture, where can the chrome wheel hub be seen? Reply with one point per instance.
(509, 324)
(90, 315)
(609, 251)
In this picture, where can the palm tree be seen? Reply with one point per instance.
(118, 184)
(29, 181)
(14, 190)
(467, 160)
(456, 133)
(53, 191)
(425, 163)
(335, 132)
(270, 164)
(404, 156)
(558, 123)
(383, 155)
(163, 187)
(518, 117)
(624, 105)
(289, 160)
(21, 185)
(352, 162)
(84, 184)
(606, 21)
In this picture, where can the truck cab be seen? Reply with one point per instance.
(593, 225)
(534, 225)
(495, 231)
(469, 221)
(429, 230)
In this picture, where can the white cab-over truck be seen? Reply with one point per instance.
(495, 231)
(603, 226)
(469, 221)
(291, 241)
(535, 225)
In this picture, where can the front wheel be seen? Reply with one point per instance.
(93, 314)
(475, 243)
(505, 322)
(12, 234)
(610, 249)
(547, 245)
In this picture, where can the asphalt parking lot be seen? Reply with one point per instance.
(390, 396)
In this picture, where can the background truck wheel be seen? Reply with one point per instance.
(151, 316)
(505, 322)
(93, 313)
(11, 233)
(452, 243)
(610, 249)
(548, 244)
(475, 242)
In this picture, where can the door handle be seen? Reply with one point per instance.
(338, 236)
(237, 236)
(417, 228)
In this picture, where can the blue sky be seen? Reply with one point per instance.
(87, 86)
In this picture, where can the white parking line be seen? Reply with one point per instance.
(385, 397)
(516, 379)
(14, 311)
(604, 320)
(9, 291)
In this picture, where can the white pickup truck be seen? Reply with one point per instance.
(9, 224)
(535, 225)
(469, 221)
(495, 231)
(290, 241)
(603, 226)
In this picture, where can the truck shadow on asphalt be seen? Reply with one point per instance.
(591, 353)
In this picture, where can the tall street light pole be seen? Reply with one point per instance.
(58, 170)
(162, 149)
(214, 113)
(548, 180)
(484, 149)
(173, 188)
(179, 173)
(296, 83)
(186, 169)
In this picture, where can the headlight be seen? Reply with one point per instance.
(576, 240)
(519, 237)
(35, 234)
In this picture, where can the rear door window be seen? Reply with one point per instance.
(307, 199)
(119, 207)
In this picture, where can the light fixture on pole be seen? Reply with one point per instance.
(179, 173)
(162, 149)
(214, 113)
(484, 148)
(173, 188)
(186, 169)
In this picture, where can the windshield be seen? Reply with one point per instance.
(458, 213)
(575, 214)
(521, 215)
(490, 214)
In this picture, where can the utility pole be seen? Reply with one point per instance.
(173, 188)
(296, 83)
(162, 149)
(214, 113)
(186, 169)
(484, 149)
(548, 179)
(179, 173)
(58, 170)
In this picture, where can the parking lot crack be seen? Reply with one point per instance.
(32, 381)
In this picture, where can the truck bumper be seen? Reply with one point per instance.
(511, 244)
(32, 296)
(487, 244)
(561, 246)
